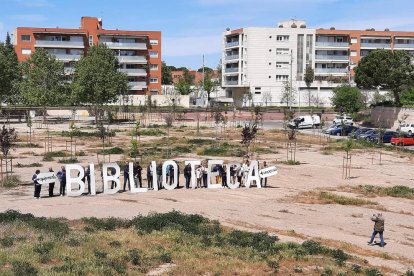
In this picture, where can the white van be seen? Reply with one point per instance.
(307, 121)
(407, 128)
(346, 119)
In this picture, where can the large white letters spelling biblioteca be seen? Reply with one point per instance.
(253, 177)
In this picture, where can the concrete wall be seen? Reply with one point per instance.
(159, 100)
(389, 116)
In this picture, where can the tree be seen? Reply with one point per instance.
(309, 78)
(288, 94)
(248, 134)
(407, 96)
(9, 72)
(267, 97)
(386, 69)
(96, 79)
(209, 84)
(7, 137)
(348, 97)
(44, 81)
(184, 83)
(206, 69)
(166, 74)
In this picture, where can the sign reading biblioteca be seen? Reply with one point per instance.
(253, 175)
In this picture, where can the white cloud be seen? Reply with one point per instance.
(28, 17)
(35, 3)
(191, 45)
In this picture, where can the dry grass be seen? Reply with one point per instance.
(320, 197)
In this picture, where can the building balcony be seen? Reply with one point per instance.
(231, 82)
(232, 44)
(137, 85)
(332, 44)
(231, 70)
(125, 46)
(132, 59)
(134, 72)
(232, 57)
(59, 44)
(404, 46)
(331, 71)
(65, 57)
(332, 57)
(375, 45)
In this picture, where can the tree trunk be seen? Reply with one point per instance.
(96, 115)
(396, 97)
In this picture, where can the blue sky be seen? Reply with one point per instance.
(191, 28)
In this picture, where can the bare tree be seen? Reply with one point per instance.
(288, 94)
(266, 97)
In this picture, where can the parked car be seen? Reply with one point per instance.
(329, 129)
(366, 134)
(402, 139)
(358, 132)
(408, 128)
(307, 121)
(342, 130)
(346, 119)
(386, 138)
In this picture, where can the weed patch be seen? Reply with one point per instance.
(114, 150)
(10, 181)
(31, 165)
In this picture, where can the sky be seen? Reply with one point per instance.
(193, 28)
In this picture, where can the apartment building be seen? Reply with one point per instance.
(197, 76)
(260, 60)
(138, 52)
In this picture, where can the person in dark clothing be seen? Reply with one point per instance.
(126, 176)
(178, 174)
(265, 179)
(223, 174)
(204, 169)
(62, 178)
(187, 175)
(159, 176)
(232, 174)
(149, 176)
(138, 173)
(112, 171)
(37, 186)
(51, 185)
(171, 173)
(379, 221)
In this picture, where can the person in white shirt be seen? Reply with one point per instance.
(199, 175)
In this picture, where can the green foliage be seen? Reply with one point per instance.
(291, 162)
(114, 150)
(44, 83)
(10, 181)
(48, 156)
(56, 227)
(43, 249)
(388, 69)
(395, 191)
(106, 224)
(199, 141)
(166, 74)
(288, 94)
(224, 149)
(330, 198)
(7, 241)
(135, 256)
(248, 135)
(407, 97)
(150, 132)
(24, 268)
(27, 145)
(9, 73)
(96, 79)
(348, 97)
(340, 256)
(7, 137)
(78, 133)
(31, 165)
(261, 242)
(372, 272)
(209, 83)
(71, 160)
(409, 273)
(183, 86)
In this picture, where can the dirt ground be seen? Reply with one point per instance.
(273, 209)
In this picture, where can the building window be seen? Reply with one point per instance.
(282, 77)
(270, 63)
(353, 53)
(90, 40)
(153, 54)
(154, 91)
(270, 36)
(282, 38)
(25, 37)
(153, 80)
(354, 40)
(154, 41)
(270, 50)
(26, 51)
(282, 64)
(282, 51)
(153, 67)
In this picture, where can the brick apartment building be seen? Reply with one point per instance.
(198, 76)
(138, 52)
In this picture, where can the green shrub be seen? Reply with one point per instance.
(343, 200)
(28, 145)
(400, 191)
(372, 272)
(7, 241)
(199, 141)
(314, 248)
(409, 273)
(291, 162)
(115, 244)
(53, 226)
(165, 257)
(23, 268)
(31, 165)
(135, 256)
(80, 153)
(78, 133)
(43, 249)
(261, 242)
(73, 242)
(340, 256)
(182, 149)
(106, 224)
(114, 150)
(71, 160)
(10, 181)
(51, 154)
(273, 264)
(148, 132)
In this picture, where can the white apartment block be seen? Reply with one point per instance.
(261, 60)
